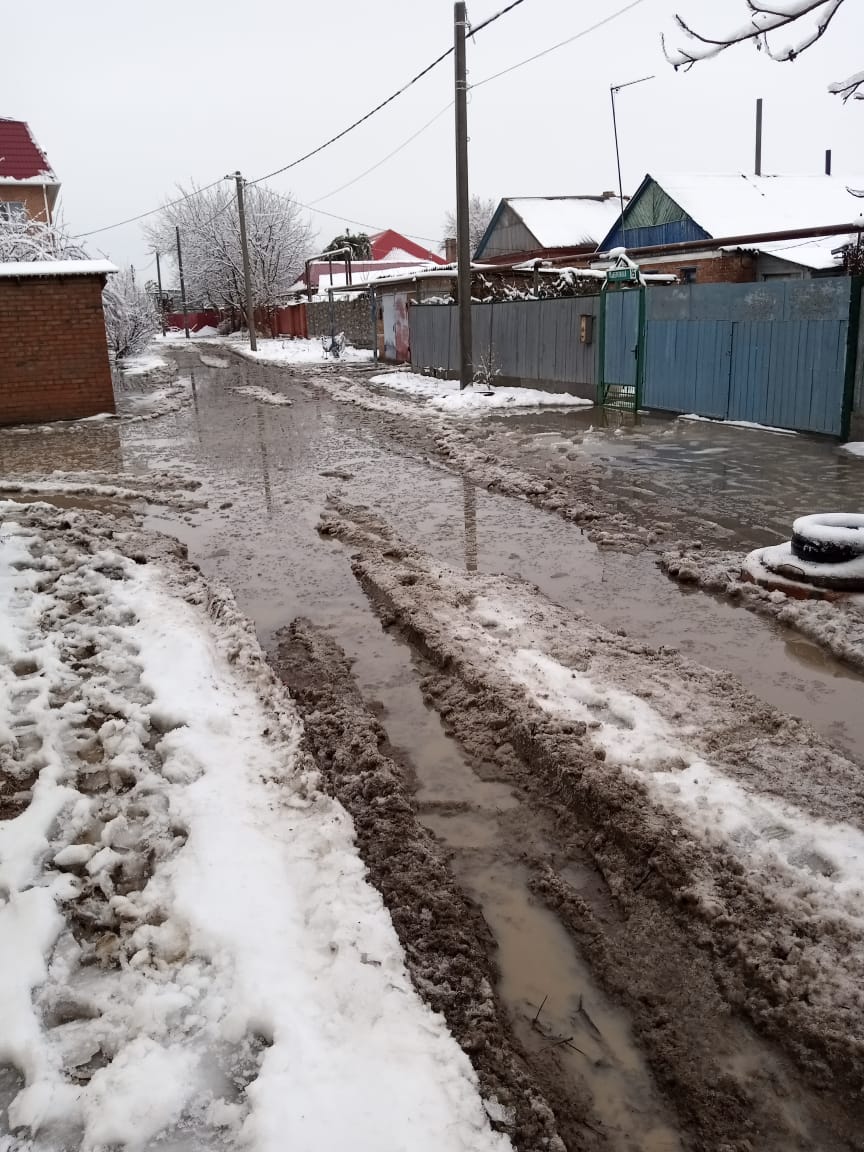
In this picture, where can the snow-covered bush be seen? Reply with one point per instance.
(480, 212)
(130, 317)
(27, 239)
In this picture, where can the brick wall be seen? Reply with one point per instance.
(352, 317)
(53, 351)
(32, 196)
(730, 268)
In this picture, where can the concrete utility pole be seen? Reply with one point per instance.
(159, 287)
(758, 164)
(247, 274)
(463, 235)
(182, 283)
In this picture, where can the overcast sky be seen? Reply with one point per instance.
(128, 100)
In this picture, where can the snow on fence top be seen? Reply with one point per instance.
(15, 268)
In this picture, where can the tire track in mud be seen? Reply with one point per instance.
(446, 942)
(640, 925)
(578, 496)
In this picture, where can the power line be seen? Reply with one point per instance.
(360, 223)
(561, 44)
(389, 155)
(327, 143)
(144, 215)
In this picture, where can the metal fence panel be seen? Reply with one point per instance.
(622, 334)
(531, 341)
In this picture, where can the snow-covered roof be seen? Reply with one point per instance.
(566, 221)
(817, 252)
(22, 161)
(737, 204)
(13, 268)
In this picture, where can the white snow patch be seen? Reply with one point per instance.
(264, 395)
(144, 364)
(446, 396)
(299, 351)
(855, 448)
(253, 935)
(738, 424)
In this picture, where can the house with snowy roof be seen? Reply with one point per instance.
(28, 186)
(740, 228)
(390, 250)
(547, 227)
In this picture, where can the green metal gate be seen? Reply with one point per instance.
(622, 346)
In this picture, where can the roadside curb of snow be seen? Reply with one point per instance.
(836, 626)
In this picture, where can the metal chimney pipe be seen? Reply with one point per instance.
(827, 161)
(759, 136)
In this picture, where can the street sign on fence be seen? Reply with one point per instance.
(622, 275)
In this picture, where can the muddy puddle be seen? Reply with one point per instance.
(749, 482)
(267, 472)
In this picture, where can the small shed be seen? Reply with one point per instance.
(547, 226)
(53, 350)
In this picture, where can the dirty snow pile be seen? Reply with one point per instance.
(262, 395)
(144, 364)
(189, 950)
(446, 396)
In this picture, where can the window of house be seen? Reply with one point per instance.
(688, 275)
(12, 211)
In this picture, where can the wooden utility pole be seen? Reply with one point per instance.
(159, 288)
(247, 274)
(182, 283)
(463, 234)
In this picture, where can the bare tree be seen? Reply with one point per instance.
(280, 239)
(807, 19)
(130, 317)
(25, 239)
(480, 212)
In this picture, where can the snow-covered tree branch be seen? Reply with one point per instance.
(130, 318)
(808, 20)
(280, 238)
(480, 212)
(33, 240)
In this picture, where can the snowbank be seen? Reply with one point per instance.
(446, 396)
(298, 351)
(189, 948)
(855, 448)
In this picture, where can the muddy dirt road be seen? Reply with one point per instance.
(596, 1002)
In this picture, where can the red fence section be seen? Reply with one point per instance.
(288, 321)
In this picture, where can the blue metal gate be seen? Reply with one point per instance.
(771, 354)
(622, 322)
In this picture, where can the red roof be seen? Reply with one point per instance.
(385, 242)
(21, 158)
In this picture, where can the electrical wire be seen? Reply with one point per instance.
(389, 155)
(327, 143)
(144, 215)
(561, 44)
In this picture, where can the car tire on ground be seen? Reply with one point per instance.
(828, 537)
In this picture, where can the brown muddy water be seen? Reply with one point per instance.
(749, 483)
(267, 471)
